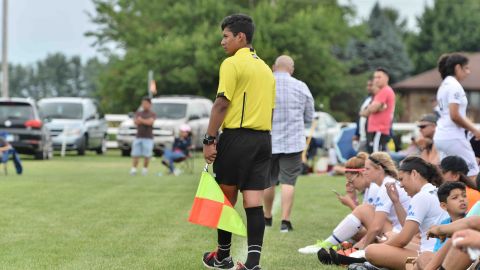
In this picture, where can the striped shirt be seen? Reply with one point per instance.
(293, 108)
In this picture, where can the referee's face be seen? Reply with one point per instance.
(230, 42)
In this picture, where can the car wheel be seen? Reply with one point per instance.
(40, 155)
(82, 147)
(103, 148)
(125, 152)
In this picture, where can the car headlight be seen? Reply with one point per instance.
(72, 132)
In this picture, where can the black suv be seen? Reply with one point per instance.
(23, 127)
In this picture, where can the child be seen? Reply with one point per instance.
(180, 149)
(454, 168)
(453, 199)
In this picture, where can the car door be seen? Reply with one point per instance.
(195, 114)
(91, 124)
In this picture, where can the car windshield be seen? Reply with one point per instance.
(169, 110)
(58, 110)
(16, 111)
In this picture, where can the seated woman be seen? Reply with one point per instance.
(180, 148)
(377, 214)
(420, 180)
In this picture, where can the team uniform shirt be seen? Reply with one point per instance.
(384, 204)
(362, 121)
(293, 108)
(382, 121)
(439, 244)
(371, 194)
(450, 92)
(426, 211)
(248, 83)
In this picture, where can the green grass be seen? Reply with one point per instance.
(88, 213)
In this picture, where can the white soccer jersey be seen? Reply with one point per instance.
(450, 91)
(426, 211)
(371, 194)
(384, 204)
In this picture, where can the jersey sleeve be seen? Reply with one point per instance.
(383, 202)
(454, 95)
(417, 210)
(227, 80)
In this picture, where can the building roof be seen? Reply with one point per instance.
(430, 80)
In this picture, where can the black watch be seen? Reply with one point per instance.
(208, 140)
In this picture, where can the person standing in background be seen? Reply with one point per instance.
(359, 140)
(294, 108)
(142, 146)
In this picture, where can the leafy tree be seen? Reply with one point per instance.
(445, 27)
(179, 41)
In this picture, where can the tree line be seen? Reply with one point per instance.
(180, 42)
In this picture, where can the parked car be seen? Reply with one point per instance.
(326, 129)
(171, 111)
(21, 123)
(76, 123)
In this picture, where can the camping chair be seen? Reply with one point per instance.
(186, 164)
(4, 157)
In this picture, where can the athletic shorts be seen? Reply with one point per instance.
(376, 141)
(461, 148)
(285, 168)
(243, 159)
(142, 147)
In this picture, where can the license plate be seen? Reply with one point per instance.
(10, 138)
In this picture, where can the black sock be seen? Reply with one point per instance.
(255, 230)
(224, 243)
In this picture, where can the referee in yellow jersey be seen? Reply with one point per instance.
(241, 155)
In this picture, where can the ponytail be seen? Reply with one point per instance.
(427, 170)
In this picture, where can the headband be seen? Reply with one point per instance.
(354, 169)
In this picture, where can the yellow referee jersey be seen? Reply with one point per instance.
(248, 83)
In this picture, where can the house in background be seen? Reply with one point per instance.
(418, 93)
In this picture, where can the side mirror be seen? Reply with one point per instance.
(131, 115)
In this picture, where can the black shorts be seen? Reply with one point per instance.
(376, 141)
(243, 159)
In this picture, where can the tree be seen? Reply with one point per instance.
(445, 27)
(179, 41)
(384, 47)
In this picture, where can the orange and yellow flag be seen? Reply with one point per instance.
(212, 209)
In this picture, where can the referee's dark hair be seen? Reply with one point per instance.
(444, 190)
(384, 70)
(145, 98)
(237, 23)
(447, 63)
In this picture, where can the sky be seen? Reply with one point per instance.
(37, 28)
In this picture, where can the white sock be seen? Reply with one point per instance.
(144, 171)
(133, 169)
(349, 226)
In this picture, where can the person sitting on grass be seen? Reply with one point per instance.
(420, 180)
(356, 181)
(180, 149)
(454, 168)
(453, 199)
(380, 217)
(457, 257)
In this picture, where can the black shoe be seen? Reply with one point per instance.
(340, 259)
(324, 256)
(210, 261)
(268, 222)
(286, 226)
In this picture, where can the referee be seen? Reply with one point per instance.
(243, 110)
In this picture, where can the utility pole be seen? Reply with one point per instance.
(4, 51)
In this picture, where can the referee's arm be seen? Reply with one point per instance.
(219, 110)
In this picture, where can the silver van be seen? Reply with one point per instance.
(75, 123)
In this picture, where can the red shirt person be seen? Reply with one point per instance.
(380, 112)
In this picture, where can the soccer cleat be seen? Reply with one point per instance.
(341, 257)
(313, 249)
(286, 226)
(241, 266)
(324, 257)
(268, 222)
(210, 261)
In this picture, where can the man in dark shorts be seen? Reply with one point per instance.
(243, 109)
(142, 146)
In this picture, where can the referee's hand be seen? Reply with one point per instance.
(210, 152)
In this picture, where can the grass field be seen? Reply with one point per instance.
(88, 213)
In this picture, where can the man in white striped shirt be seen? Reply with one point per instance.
(294, 107)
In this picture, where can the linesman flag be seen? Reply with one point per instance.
(212, 209)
